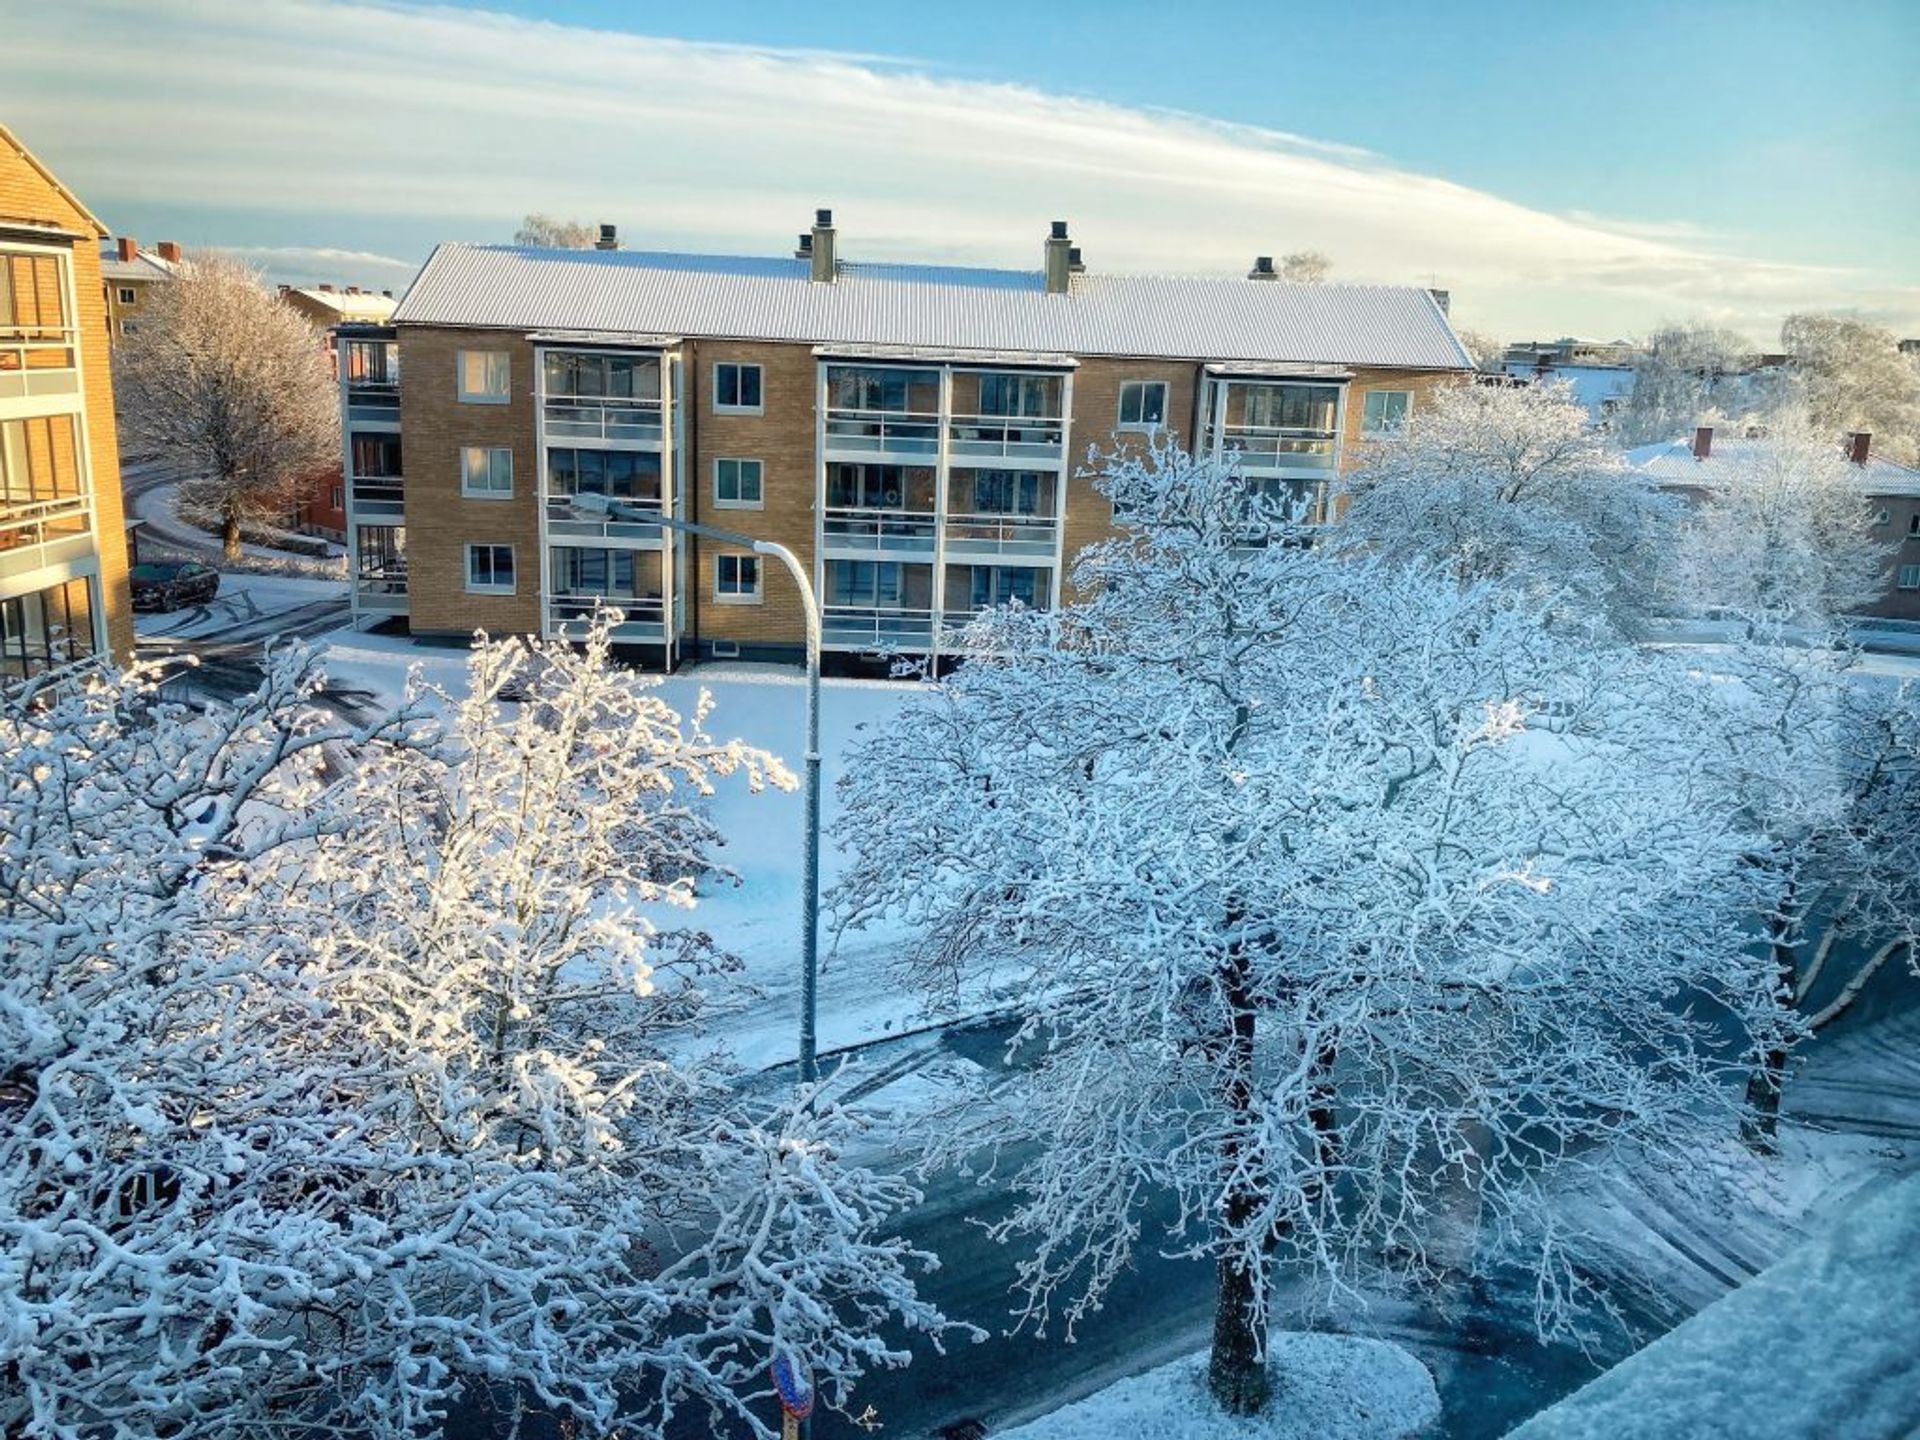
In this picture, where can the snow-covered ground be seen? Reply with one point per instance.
(248, 606)
(757, 919)
(1325, 1387)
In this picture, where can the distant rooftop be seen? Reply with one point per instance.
(360, 307)
(939, 307)
(1673, 461)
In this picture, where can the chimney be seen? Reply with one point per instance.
(326, 289)
(1702, 441)
(170, 251)
(1059, 259)
(804, 250)
(127, 248)
(1263, 269)
(1075, 265)
(386, 294)
(353, 289)
(1859, 446)
(820, 246)
(1444, 299)
(609, 237)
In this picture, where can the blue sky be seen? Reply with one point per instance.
(1589, 168)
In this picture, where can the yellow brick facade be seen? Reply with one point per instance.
(35, 210)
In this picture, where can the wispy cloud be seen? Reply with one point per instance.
(320, 257)
(374, 120)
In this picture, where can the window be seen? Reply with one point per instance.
(486, 472)
(490, 569)
(1143, 404)
(337, 496)
(1385, 411)
(1291, 407)
(1002, 585)
(579, 571)
(1913, 525)
(894, 391)
(736, 579)
(864, 582)
(736, 484)
(45, 629)
(127, 297)
(1881, 517)
(1909, 577)
(1030, 396)
(376, 455)
(615, 377)
(129, 327)
(483, 376)
(1008, 492)
(373, 362)
(736, 388)
(619, 474)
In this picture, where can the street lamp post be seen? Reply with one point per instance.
(810, 883)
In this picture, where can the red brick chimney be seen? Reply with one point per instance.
(326, 289)
(127, 248)
(1702, 441)
(1859, 446)
(170, 251)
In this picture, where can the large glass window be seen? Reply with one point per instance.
(1000, 585)
(1033, 396)
(376, 455)
(45, 630)
(1291, 407)
(619, 474)
(39, 462)
(572, 376)
(1008, 492)
(864, 387)
(864, 582)
(33, 299)
(578, 571)
(373, 362)
(871, 487)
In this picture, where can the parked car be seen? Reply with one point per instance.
(169, 584)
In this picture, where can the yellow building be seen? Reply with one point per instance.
(63, 553)
(127, 277)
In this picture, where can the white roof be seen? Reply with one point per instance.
(145, 265)
(357, 305)
(1672, 461)
(939, 307)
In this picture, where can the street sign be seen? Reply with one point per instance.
(793, 1382)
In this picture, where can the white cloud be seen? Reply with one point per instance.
(376, 118)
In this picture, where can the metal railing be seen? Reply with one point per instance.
(39, 363)
(873, 528)
(1008, 437)
(1276, 447)
(564, 517)
(875, 627)
(643, 617)
(1003, 534)
(373, 399)
(598, 417)
(373, 496)
(901, 432)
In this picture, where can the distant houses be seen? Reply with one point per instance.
(127, 277)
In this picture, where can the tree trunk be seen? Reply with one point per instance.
(230, 534)
(1236, 1368)
(1760, 1129)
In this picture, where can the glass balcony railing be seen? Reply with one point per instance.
(877, 432)
(602, 418)
(1007, 437)
(875, 627)
(875, 528)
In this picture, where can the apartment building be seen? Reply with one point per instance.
(127, 277)
(914, 433)
(63, 563)
(1892, 490)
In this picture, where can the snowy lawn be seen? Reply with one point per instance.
(245, 608)
(1325, 1387)
(759, 918)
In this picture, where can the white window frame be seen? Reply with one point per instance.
(127, 295)
(1913, 525)
(482, 397)
(491, 587)
(740, 565)
(1143, 427)
(492, 453)
(738, 502)
(721, 408)
(1908, 578)
(1377, 433)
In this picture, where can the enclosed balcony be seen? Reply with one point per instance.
(882, 410)
(380, 570)
(875, 509)
(969, 589)
(45, 512)
(374, 485)
(1004, 513)
(876, 605)
(39, 341)
(582, 580)
(370, 369)
(601, 398)
(1277, 427)
(630, 479)
(1007, 415)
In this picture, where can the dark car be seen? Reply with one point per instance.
(169, 584)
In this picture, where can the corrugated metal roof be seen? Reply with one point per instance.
(517, 288)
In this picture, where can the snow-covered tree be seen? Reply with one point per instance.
(1483, 349)
(1781, 534)
(1512, 483)
(1686, 371)
(229, 384)
(553, 233)
(355, 1073)
(1341, 890)
(1852, 376)
(1306, 267)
